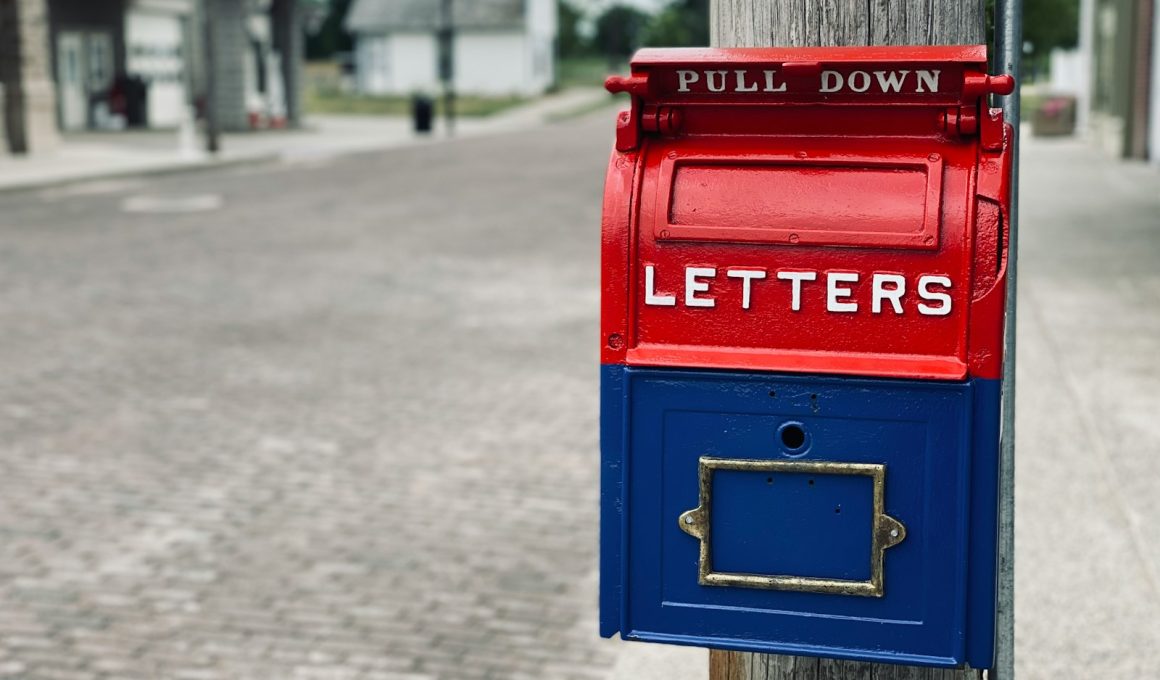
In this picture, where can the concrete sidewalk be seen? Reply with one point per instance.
(91, 156)
(1088, 484)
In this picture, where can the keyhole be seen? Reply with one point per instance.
(793, 437)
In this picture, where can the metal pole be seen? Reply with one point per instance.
(447, 62)
(212, 138)
(1009, 51)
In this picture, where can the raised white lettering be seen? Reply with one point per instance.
(747, 80)
(894, 293)
(925, 293)
(892, 82)
(834, 292)
(859, 81)
(885, 292)
(928, 79)
(769, 87)
(693, 286)
(685, 79)
(832, 81)
(743, 86)
(747, 277)
(650, 294)
(796, 278)
(715, 84)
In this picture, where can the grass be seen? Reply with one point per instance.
(620, 100)
(1030, 103)
(585, 71)
(380, 105)
(324, 93)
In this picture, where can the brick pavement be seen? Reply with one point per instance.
(342, 427)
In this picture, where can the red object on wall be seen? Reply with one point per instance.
(821, 210)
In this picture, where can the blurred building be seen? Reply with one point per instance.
(1119, 90)
(500, 46)
(72, 65)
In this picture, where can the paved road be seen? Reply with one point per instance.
(343, 424)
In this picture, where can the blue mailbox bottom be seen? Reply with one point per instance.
(835, 517)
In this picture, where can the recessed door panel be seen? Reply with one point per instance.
(809, 512)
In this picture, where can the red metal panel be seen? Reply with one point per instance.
(754, 220)
(791, 199)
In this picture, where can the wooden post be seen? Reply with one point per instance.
(805, 23)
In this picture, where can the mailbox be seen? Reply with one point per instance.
(803, 272)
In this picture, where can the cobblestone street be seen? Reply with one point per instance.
(334, 418)
(341, 426)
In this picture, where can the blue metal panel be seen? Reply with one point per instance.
(984, 544)
(613, 411)
(657, 425)
(800, 508)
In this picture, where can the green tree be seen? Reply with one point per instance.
(619, 30)
(571, 42)
(331, 36)
(682, 23)
(1048, 24)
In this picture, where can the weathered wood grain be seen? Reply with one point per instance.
(742, 666)
(804, 23)
(756, 23)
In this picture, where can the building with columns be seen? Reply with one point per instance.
(1119, 76)
(74, 65)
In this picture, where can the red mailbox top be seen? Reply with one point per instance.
(824, 210)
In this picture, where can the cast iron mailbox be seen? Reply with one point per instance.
(803, 259)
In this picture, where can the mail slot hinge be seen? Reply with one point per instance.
(977, 121)
(974, 117)
(641, 118)
(628, 123)
(961, 121)
(664, 120)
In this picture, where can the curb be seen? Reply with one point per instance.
(161, 169)
(166, 168)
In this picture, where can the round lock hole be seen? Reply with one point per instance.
(793, 437)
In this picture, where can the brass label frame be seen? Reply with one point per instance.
(886, 531)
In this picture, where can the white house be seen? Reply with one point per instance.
(501, 47)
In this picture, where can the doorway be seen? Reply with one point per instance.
(84, 64)
(71, 86)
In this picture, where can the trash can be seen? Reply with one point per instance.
(423, 113)
(137, 102)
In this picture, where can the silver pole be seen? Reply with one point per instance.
(1009, 52)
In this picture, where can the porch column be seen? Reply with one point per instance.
(29, 97)
(231, 48)
(286, 16)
